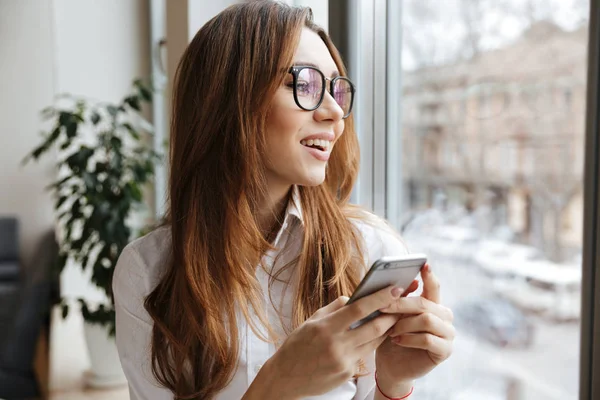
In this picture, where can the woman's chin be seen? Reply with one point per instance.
(314, 179)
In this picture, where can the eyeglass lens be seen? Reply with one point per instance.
(310, 86)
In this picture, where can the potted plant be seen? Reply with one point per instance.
(105, 157)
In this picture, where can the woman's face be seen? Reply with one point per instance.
(289, 158)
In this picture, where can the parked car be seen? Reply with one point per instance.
(522, 275)
(495, 320)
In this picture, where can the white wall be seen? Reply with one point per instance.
(201, 11)
(26, 86)
(320, 9)
(101, 47)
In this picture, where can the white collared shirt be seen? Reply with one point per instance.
(142, 264)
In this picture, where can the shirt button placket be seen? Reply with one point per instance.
(258, 350)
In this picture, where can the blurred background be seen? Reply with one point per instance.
(471, 118)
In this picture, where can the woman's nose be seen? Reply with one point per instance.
(329, 109)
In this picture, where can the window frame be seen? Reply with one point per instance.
(590, 306)
(354, 24)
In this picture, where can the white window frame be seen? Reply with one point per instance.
(374, 63)
(373, 54)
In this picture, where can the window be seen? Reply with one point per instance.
(514, 287)
(500, 217)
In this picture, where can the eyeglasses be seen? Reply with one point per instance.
(309, 89)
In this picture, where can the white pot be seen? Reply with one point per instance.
(106, 368)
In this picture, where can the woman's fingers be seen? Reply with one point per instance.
(423, 323)
(329, 308)
(364, 307)
(440, 348)
(368, 348)
(411, 288)
(378, 327)
(431, 284)
(418, 305)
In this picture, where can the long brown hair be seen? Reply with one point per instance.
(224, 84)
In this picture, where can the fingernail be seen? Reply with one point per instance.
(396, 292)
(397, 339)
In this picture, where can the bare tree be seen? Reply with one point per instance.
(425, 39)
(471, 13)
(420, 43)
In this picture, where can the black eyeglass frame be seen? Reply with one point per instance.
(295, 71)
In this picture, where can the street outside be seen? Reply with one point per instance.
(547, 370)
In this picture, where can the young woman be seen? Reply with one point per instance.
(241, 293)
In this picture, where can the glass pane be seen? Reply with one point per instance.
(493, 113)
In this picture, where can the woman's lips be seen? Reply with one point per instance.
(318, 154)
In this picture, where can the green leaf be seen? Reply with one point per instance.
(90, 180)
(48, 112)
(116, 142)
(65, 310)
(146, 94)
(76, 209)
(85, 261)
(78, 160)
(132, 131)
(139, 173)
(66, 144)
(85, 311)
(78, 244)
(61, 262)
(45, 146)
(95, 118)
(69, 233)
(144, 90)
(133, 102)
(63, 214)
(87, 232)
(71, 130)
(135, 191)
(35, 154)
(101, 167)
(116, 162)
(80, 107)
(112, 110)
(64, 118)
(61, 200)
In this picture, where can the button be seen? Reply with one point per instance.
(257, 368)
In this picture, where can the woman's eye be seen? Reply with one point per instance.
(302, 87)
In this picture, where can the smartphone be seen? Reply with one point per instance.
(398, 271)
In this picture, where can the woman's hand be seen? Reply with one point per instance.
(323, 353)
(420, 340)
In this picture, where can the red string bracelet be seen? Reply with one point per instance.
(392, 398)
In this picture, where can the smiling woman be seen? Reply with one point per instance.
(241, 293)
(292, 154)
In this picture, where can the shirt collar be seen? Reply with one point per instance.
(294, 207)
(292, 211)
